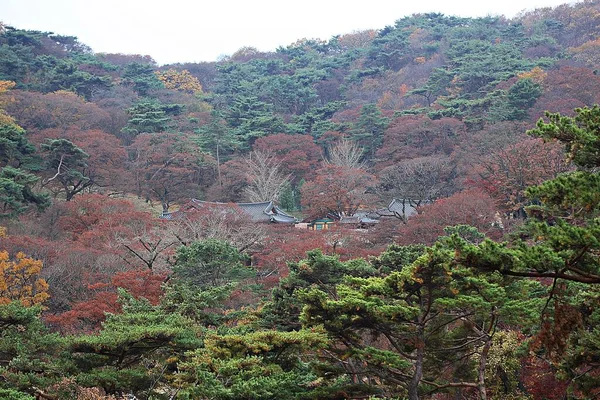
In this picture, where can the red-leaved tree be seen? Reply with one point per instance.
(86, 316)
(337, 191)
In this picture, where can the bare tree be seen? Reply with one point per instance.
(265, 178)
(150, 247)
(419, 180)
(346, 153)
(224, 222)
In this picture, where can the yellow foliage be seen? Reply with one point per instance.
(536, 74)
(2, 231)
(5, 86)
(357, 39)
(19, 280)
(67, 94)
(181, 81)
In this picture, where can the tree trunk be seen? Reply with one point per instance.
(482, 363)
(413, 385)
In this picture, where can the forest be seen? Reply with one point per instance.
(449, 168)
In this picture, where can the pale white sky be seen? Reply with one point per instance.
(189, 31)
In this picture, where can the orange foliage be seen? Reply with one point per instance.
(19, 280)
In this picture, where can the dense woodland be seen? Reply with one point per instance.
(488, 126)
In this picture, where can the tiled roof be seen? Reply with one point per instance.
(359, 218)
(259, 212)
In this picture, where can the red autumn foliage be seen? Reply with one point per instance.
(565, 89)
(233, 182)
(86, 316)
(336, 190)
(107, 158)
(168, 167)
(298, 155)
(539, 378)
(98, 221)
(285, 244)
(469, 207)
(506, 173)
(418, 136)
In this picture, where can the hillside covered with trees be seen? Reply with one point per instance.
(451, 162)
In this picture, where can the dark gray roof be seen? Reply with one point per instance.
(259, 212)
(359, 219)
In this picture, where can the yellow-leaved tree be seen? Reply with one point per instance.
(181, 81)
(5, 87)
(20, 280)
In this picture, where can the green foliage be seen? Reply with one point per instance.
(30, 354)
(66, 75)
(209, 263)
(579, 134)
(417, 314)
(289, 199)
(514, 104)
(38, 60)
(522, 95)
(290, 94)
(317, 120)
(258, 365)
(67, 164)
(15, 61)
(133, 349)
(17, 158)
(465, 232)
(390, 49)
(16, 193)
(251, 118)
(395, 258)
(15, 149)
(9, 394)
(150, 116)
(141, 78)
(437, 85)
(369, 129)
(320, 270)
(202, 305)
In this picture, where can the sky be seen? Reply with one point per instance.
(174, 31)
